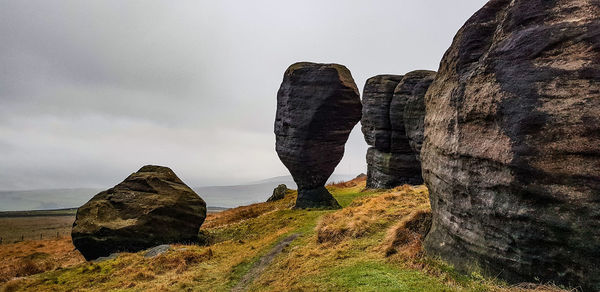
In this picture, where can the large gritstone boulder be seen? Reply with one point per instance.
(414, 111)
(392, 161)
(387, 170)
(149, 208)
(512, 143)
(377, 97)
(317, 107)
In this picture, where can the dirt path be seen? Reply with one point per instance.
(263, 262)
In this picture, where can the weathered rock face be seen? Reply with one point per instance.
(278, 193)
(387, 170)
(414, 111)
(512, 143)
(377, 97)
(392, 161)
(150, 207)
(414, 83)
(317, 107)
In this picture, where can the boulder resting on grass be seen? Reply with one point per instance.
(149, 208)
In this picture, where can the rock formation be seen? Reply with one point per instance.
(392, 161)
(387, 170)
(377, 97)
(414, 112)
(317, 107)
(511, 154)
(278, 193)
(149, 208)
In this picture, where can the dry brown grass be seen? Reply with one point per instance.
(531, 287)
(349, 184)
(406, 237)
(36, 256)
(374, 239)
(242, 213)
(12, 229)
(370, 213)
(179, 261)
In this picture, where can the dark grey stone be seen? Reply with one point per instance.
(150, 207)
(511, 154)
(317, 107)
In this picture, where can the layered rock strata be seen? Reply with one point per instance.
(392, 160)
(511, 154)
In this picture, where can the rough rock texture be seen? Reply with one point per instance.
(149, 208)
(157, 250)
(377, 97)
(388, 170)
(512, 143)
(317, 107)
(278, 193)
(414, 111)
(392, 161)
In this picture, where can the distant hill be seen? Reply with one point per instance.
(253, 192)
(215, 196)
(45, 199)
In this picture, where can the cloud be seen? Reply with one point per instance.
(92, 90)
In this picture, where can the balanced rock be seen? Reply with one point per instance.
(149, 208)
(278, 193)
(317, 107)
(511, 154)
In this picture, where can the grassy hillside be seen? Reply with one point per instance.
(372, 244)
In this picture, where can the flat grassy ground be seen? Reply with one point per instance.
(16, 226)
(372, 244)
(13, 229)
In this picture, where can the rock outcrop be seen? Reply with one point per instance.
(389, 101)
(377, 97)
(387, 170)
(149, 208)
(317, 107)
(511, 154)
(278, 193)
(414, 111)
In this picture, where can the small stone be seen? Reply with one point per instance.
(278, 193)
(157, 250)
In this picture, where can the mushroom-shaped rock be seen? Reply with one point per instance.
(149, 208)
(511, 154)
(317, 107)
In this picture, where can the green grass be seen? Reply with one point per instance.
(380, 276)
(354, 264)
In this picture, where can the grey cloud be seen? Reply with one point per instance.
(92, 90)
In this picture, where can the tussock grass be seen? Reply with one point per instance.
(406, 236)
(36, 256)
(372, 244)
(370, 214)
(242, 213)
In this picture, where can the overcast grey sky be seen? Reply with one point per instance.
(92, 90)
